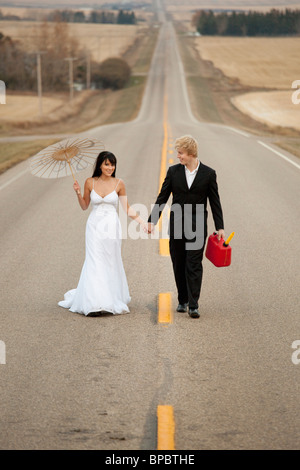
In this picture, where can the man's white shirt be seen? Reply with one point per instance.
(190, 175)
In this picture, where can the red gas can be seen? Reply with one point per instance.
(218, 251)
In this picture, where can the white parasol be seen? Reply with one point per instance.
(66, 157)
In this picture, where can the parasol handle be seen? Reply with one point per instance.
(78, 192)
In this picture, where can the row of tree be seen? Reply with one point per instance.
(15, 65)
(18, 68)
(252, 23)
(95, 16)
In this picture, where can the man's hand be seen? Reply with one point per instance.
(221, 234)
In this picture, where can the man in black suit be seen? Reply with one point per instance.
(191, 183)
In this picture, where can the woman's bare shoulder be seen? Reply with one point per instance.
(121, 187)
(89, 182)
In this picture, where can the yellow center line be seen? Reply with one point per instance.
(165, 428)
(165, 314)
(164, 299)
(163, 164)
(164, 242)
(165, 414)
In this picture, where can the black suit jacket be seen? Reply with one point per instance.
(204, 188)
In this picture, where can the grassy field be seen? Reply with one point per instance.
(10, 154)
(257, 62)
(25, 107)
(250, 64)
(272, 107)
(101, 40)
(261, 64)
(212, 94)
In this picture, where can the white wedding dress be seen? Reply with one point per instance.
(102, 285)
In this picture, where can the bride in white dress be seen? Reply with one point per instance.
(102, 285)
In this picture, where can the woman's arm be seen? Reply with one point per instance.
(127, 208)
(84, 201)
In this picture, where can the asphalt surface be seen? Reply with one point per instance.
(72, 382)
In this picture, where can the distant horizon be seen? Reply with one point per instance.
(213, 4)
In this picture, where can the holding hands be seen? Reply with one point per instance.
(149, 228)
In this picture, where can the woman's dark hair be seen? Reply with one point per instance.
(100, 159)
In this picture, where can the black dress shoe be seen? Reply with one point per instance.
(193, 312)
(182, 308)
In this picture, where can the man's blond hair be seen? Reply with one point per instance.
(188, 143)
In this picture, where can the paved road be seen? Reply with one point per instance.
(72, 382)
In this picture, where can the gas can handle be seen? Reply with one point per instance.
(215, 234)
(221, 239)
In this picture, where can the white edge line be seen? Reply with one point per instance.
(13, 179)
(183, 80)
(279, 154)
(237, 131)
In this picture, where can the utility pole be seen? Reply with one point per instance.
(71, 59)
(39, 81)
(88, 72)
(99, 48)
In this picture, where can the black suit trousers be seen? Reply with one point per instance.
(188, 271)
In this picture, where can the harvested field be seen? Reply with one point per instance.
(257, 62)
(101, 40)
(26, 107)
(274, 108)
(262, 64)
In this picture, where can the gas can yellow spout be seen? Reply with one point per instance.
(229, 239)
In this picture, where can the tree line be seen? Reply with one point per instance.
(95, 16)
(18, 67)
(252, 23)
